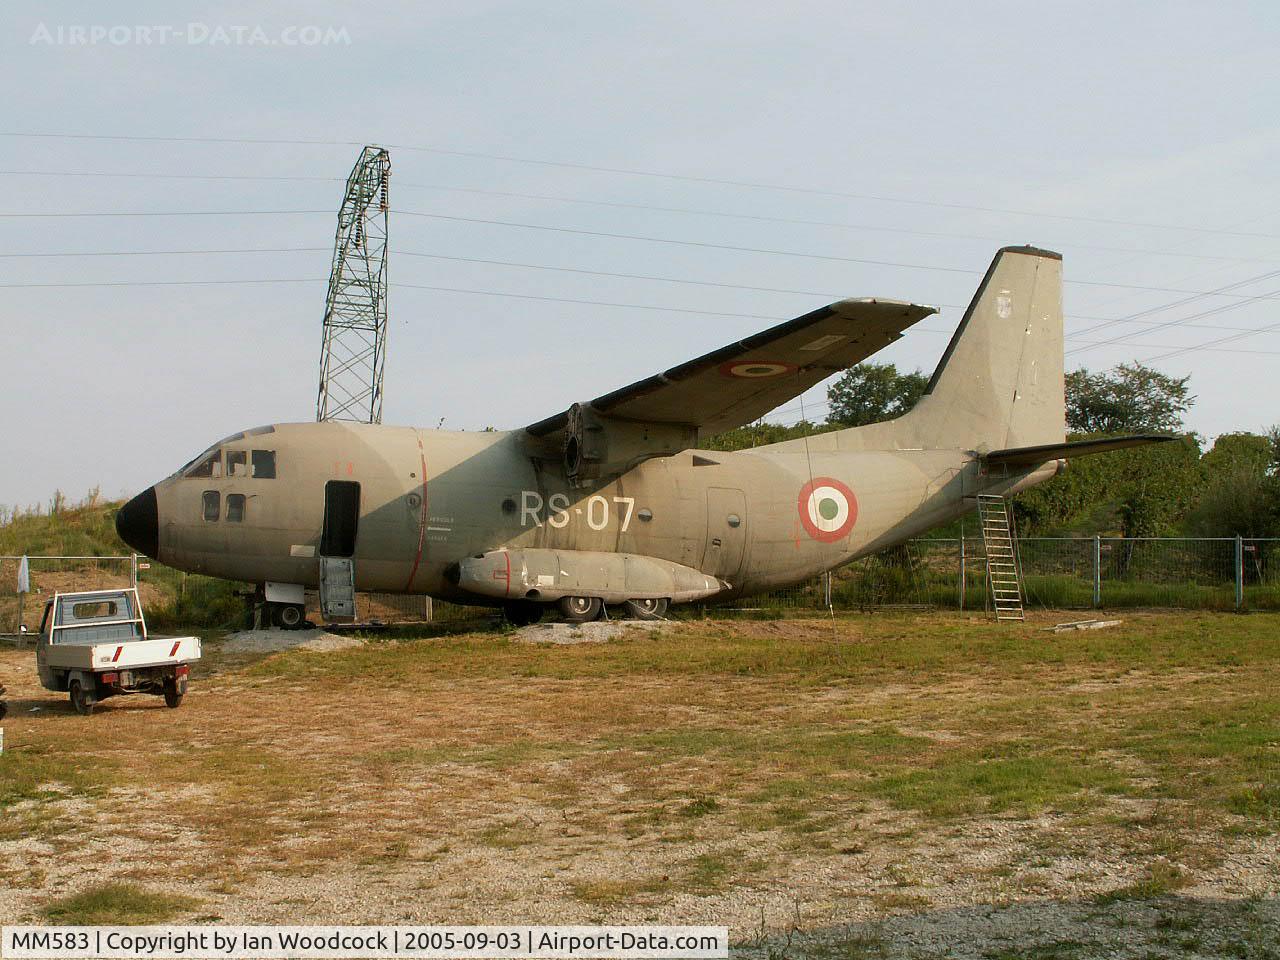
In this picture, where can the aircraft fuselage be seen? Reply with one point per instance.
(422, 500)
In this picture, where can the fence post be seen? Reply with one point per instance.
(962, 567)
(1239, 572)
(1097, 571)
(133, 570)
(826, 589)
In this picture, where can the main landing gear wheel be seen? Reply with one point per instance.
(580, 609)
(649, 609)
(81, 698)
(522, 613)
(289, 616)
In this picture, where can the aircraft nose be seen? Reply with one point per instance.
(138, 523)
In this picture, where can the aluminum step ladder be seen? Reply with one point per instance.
(1004, 573)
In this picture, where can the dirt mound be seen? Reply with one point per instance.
(598, 632)
(272, 641)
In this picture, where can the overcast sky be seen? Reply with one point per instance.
(1138, 139)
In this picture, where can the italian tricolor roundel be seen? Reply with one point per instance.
(756, 369)
(828, 509)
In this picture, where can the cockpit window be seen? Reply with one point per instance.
(212, 505)
(210, 466)
(200, 466)
(264, 464)
(235, 507)
(237, 463)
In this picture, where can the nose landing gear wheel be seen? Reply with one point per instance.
(289, 616)
(580, 609)
(522, 613)
(649, 609)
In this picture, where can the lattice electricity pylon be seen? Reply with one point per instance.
(354, 349)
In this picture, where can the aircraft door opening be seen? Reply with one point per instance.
(337, 546)
(726, 533)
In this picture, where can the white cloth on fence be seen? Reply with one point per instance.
(24, 576)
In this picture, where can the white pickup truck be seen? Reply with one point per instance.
(95, 645)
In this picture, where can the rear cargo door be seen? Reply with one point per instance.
(726, 533)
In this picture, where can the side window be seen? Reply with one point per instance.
(235, 507)
(210, 466)
(264, 464)
(212, 505)
(237, 463)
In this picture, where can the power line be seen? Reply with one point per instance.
(1176, 322)
(162, 283)
(1178, 303)
(692, 211)
(164, 176)
(621, 236)
(159, 253)
(1209, 345)
(582, 271)
(164, 213)
(626, 171)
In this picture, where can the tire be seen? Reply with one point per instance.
(522, 613)
(81, 699)
(172, 698)
(649, 609)
(289, 616)
(580, 609)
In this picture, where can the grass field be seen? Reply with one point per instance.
(825, 788)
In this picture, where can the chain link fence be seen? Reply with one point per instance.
(1061, 573)
(49, 575)
(1058, 573)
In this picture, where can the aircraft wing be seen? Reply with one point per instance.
(740, 383)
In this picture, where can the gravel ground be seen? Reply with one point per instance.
(273, 641)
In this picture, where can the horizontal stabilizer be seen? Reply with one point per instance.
(1033, 456)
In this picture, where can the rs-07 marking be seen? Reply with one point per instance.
(597, 511)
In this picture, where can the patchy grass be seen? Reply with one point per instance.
(117, 904)
(1026, 784)
(1160, 879)
(39, 772)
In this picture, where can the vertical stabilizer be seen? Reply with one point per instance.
(1000, 382)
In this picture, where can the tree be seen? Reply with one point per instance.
(760, 434)
(1130, 399)
(871, 392)
(1241, 493)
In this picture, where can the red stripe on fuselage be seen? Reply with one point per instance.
(422, 515)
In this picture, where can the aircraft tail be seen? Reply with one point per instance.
(1000, 383)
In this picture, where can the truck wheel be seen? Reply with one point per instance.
(580, 609)
(522, 613)
(81, 699)
(651, 609)
(289, 616)
(172, 698)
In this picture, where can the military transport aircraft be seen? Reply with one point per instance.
(612, 501)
